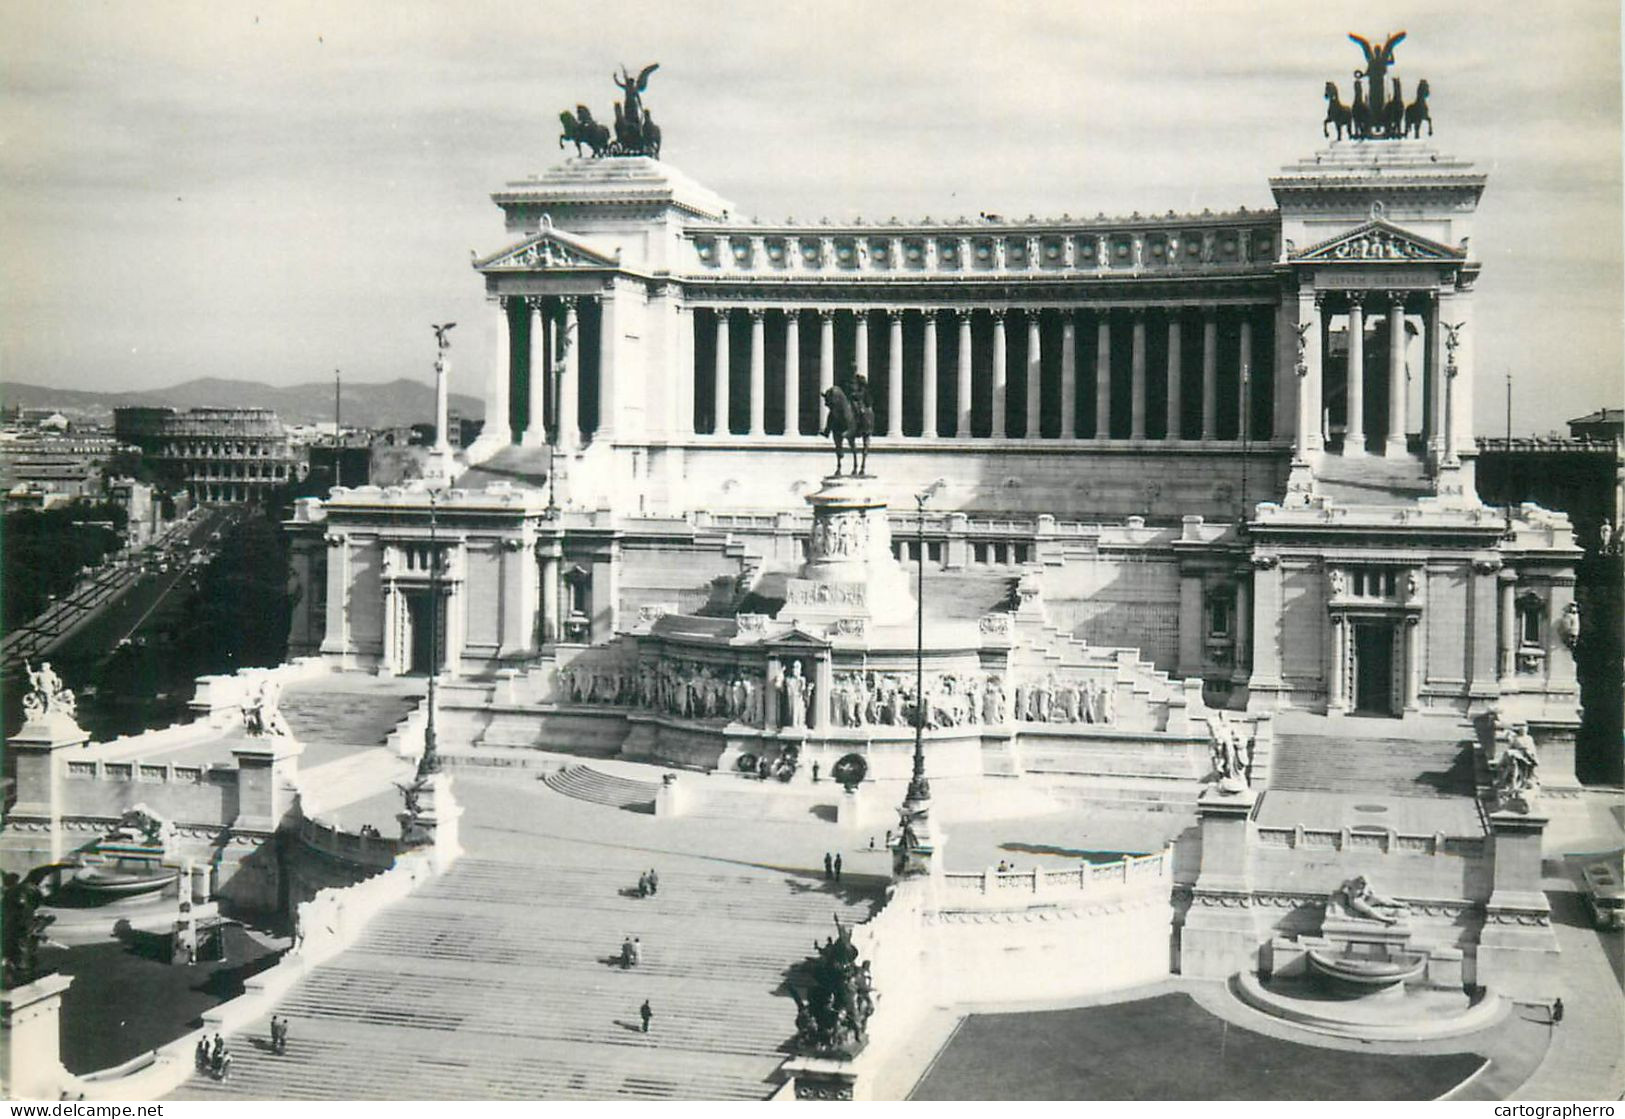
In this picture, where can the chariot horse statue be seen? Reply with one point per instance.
(850, 418)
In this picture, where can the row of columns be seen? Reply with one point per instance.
(554, 351)
(1446, 406)
(1030, 373)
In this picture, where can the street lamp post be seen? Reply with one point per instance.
(429, 764)
(919, 789)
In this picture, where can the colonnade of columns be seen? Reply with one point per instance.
(917, 392)
(1444, 405)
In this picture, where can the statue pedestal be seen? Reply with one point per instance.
(851, 573)
(39, 753)
(31, 1039)
(822, 1078)
(1220, 936)
(267, 766)
(1517, 950)
(434, 826)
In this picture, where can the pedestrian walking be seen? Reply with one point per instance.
(837, 866)
(201, 1055)
(1557, 1010)
(626, 953)
(637, 951)
(646, 1014)
(643, 885)
(829, 866)
(815, 773)
(654, 881)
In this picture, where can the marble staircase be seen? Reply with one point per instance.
(585, 783)
(499, 981)
(1410, 767)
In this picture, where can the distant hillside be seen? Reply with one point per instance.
(389, 404)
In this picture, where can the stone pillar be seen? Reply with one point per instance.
(1103, 378)
(683, 402)
(31, 1039)
(1335, 699)
(497, 427)
(1220, 936)
(1210, 375)
(1000, 374)
(336, 631)
(792, 371)
(1175, 403)
(1307, 437)
(962, 383)
(719, 374)
(894, 372)
(1517, 950)
(1394, 444)
(1413, 662)
(1244, 625)
(1443, 309)
(39, 754)
(550, 592)
(535, 434)
(393, 605)
(612, 314)
(1069, 376)
(568, 437)
(1137, 391)
(1354, 429)
(1244, 424)
(826, 361)
(1508, 628)
(1035, 375)
(758, 372)
(928, 378)
(860, 340)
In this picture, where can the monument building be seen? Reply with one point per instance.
(1237, 443)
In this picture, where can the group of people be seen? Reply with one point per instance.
(213, 1057)
(279, 1035)
(648, 883)
(631, 952)
(370, 832)
(832, 866)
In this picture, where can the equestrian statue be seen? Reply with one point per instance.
(851, 417)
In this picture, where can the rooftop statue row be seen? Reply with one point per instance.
(1382, 113)
(636, 132)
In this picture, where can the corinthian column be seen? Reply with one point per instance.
(497, 428)
(1244, 382)
(1175, 404)
(1103, 378)
(894, 373)
(569, 425)
(719, 395)
(1137, 391)
(1354, 427)
(860, 341)
(962, 381)
(826, 361)
(1000, 374)
(536, 423)
(1069, 375)
(792, 371)
(758, 373)
(1210, 375)
(1394, 444)
(928, 397)
(1035, 376)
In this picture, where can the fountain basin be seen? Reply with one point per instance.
(1365, 974)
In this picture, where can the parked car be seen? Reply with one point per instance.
(1604, 895)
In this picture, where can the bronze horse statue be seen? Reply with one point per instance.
(1417, 112)
(582, 129)
(850, 418)
(1338, 115)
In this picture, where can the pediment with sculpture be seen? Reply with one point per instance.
(1378, 241)
(548, 249)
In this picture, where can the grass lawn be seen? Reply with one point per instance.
(1166, 1048)
(122, 1004)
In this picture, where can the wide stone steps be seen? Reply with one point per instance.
(352, 1060)
(500, 980)
(1403, 767)
(344, 718)
(585, 783)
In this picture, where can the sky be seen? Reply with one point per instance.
(269, 191)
